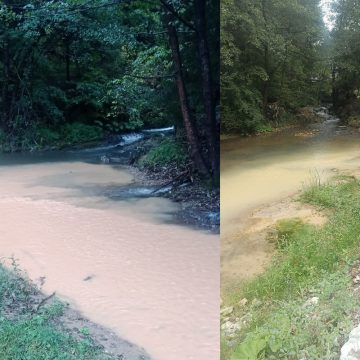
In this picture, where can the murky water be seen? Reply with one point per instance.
(261, 170)
(122, 263)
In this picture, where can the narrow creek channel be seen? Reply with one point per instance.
(258, 171)
(123, 264)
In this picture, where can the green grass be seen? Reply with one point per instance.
(287, 231)
(310, 261)
(27, 334)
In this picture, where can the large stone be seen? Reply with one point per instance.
(243, 302)
(351, 349)
(226, 311)
(230, 329)
(311, 302)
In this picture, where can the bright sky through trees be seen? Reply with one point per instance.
(326, 9)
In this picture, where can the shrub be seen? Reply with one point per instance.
(80, 133)
(168, 152)
(354, 121)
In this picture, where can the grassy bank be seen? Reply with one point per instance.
(30, 329)
(301, 307)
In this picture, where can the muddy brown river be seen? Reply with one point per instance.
(123, 264)
(259, 171)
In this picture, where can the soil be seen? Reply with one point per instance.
(73, 322)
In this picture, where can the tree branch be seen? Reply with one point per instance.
(173, 12)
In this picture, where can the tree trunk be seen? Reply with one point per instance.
(207, 89)
(265, 91)
(191, 133)
(6, 95)
(334, 92)
(67, 59)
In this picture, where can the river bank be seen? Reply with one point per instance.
(199, 203)
(42, 326)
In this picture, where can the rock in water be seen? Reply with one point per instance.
(104, 159)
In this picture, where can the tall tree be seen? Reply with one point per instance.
(345, 41)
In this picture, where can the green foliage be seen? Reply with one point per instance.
(105, 63)
(263, 128)
(296, 329)
(250, 349)
(168, 152)
(39, 137)
(63, 65)
(76, 132)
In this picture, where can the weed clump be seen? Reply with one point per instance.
(286, 231)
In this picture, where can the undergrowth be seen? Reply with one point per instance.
(167, 152)
(39, 137)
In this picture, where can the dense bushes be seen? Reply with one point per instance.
(40, 137)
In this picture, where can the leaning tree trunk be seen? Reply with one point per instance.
(266, 84)
(191, 133)
(207, 89)
(6, 94)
